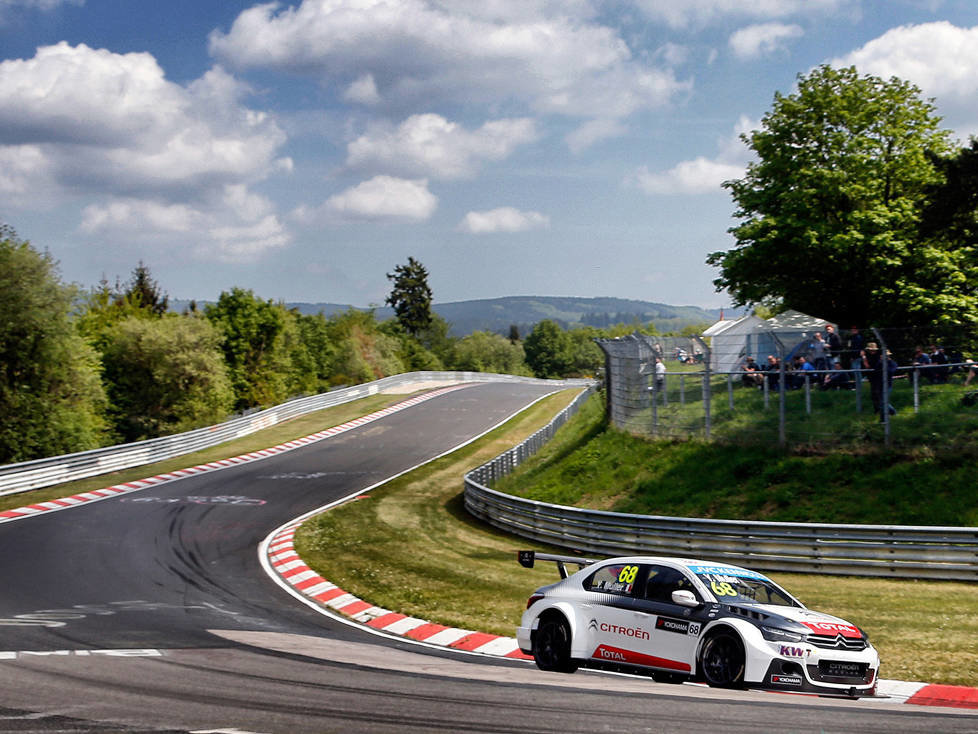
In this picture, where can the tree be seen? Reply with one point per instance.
(411, 297)
(144, 293)
(51, 398)
(830, 209)
(482, 351)
(256, 346)
(166, 376)
(363, 351)
(549, 350)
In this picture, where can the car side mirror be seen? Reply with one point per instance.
(685, 598)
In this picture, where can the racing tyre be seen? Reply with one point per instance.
(551, 646)
(722, 661)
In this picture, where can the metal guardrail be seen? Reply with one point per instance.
(30, 475)
(889, 551)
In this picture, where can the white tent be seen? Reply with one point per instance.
(731, 340)
(796, 330)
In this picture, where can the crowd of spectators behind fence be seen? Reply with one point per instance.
(830, 362)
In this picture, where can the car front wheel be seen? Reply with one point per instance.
(552, 645)
(722, 661)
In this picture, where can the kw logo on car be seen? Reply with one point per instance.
(794, 652)
(637, 632)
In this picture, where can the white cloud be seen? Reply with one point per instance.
(110, 128)
(6, 5)
(701, 175)
(430, 145)
(236, 226)
(384, 198)
(698, 176)
(503, 219)
(592, 132)
(418, 51)
(940, 58)
(702, 12)
(363, 91)
(763, 39)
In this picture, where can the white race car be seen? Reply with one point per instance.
(679, 619)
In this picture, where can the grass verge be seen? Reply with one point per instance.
(410, 546)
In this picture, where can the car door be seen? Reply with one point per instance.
(675, 628)
(614, 630)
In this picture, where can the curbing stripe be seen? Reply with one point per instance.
(20, 513)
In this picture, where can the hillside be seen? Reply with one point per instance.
(498, 314)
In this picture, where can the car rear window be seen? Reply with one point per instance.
(616, 578)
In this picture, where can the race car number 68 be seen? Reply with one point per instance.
(627, 574)
(722, 589)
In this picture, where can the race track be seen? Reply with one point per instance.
(151, 612)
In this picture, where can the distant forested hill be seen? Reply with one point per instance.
(498, 314)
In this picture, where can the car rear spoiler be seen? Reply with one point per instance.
(528, 557)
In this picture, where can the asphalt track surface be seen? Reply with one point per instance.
(150, 612)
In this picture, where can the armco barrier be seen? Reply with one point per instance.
(892, 551)
(30, 475)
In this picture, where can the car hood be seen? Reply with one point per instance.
(818, 623)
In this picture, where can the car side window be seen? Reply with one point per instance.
(662, 581)
(615, 578)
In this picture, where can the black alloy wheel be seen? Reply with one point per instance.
(722, 661)
(551, 646)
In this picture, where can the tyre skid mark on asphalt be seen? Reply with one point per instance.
(20, 513)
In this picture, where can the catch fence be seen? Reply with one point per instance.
(699, 387)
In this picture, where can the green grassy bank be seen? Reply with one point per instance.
(410, 546)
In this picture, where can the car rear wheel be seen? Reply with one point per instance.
(552, 645)
(722, 661)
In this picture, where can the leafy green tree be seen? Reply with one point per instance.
(483, 351)
(166, 376)
(411, 296)
(952, 210)
(587, 357)
(51, 397)
(318, 351)
(549, 350)
(830, 209)
(256, 346)
(363, 351)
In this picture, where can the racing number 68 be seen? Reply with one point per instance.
(722, 589)
(627, 575)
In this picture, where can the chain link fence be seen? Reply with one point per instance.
(787, 386)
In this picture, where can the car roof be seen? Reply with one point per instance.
(674, 560)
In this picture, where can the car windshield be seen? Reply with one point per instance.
(738, 585)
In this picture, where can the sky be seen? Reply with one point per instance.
(514, 147)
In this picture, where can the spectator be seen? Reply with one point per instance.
(837, 378)
(752, 376)
(773, 372)
(804, 372)
(921, 362)
(820, 352)
(660, 375)
(875, 363)
(834, 341)
(854, 350)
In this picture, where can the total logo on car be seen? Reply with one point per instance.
(678, 619)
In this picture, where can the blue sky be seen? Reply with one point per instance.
(515, 147)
